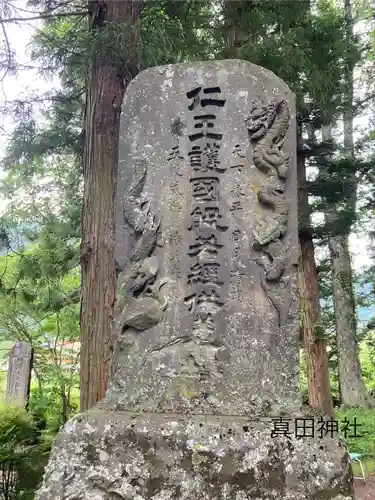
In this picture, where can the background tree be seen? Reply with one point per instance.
(340, 174)
(312, 332)
(39, 304)
(108, 78)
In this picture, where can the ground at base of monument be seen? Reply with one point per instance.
(117, 455)
(365, 491)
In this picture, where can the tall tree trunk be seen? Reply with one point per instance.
(105, 91)
(232, 12)
(352, 389)
(319, 390)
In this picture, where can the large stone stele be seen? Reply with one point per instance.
(207, 317)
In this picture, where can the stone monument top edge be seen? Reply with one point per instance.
(232, 65)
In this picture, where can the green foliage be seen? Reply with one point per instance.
(23, 454)
(306, 49)
(172, 32)
(39, 303)
(367, 356)
(47, 406)
(364, 444)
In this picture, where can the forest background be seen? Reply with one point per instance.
(64, 68)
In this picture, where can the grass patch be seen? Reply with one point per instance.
(365, 442)
(369, 466)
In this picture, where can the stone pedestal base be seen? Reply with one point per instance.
(112, 456)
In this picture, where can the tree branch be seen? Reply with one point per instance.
(8, 53)
(41, 15)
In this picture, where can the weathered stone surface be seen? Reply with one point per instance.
(207, 313)
(103, 456)
(207, 226)
(19, 373)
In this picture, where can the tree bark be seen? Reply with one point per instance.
(352, 389)
(232, 12)
(319, 390)
(105, 91)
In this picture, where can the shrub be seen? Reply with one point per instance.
(47, 408)
(23, 454)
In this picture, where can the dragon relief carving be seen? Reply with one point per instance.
(140, 305)
(267, 127)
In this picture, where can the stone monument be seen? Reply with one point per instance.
(207, 319)
(19, 373)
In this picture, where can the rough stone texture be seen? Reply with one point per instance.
(19, 373)
(207, 313)
(104, 456)
(208, 323)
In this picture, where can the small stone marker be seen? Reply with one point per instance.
(207, 316)
(19, 373)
